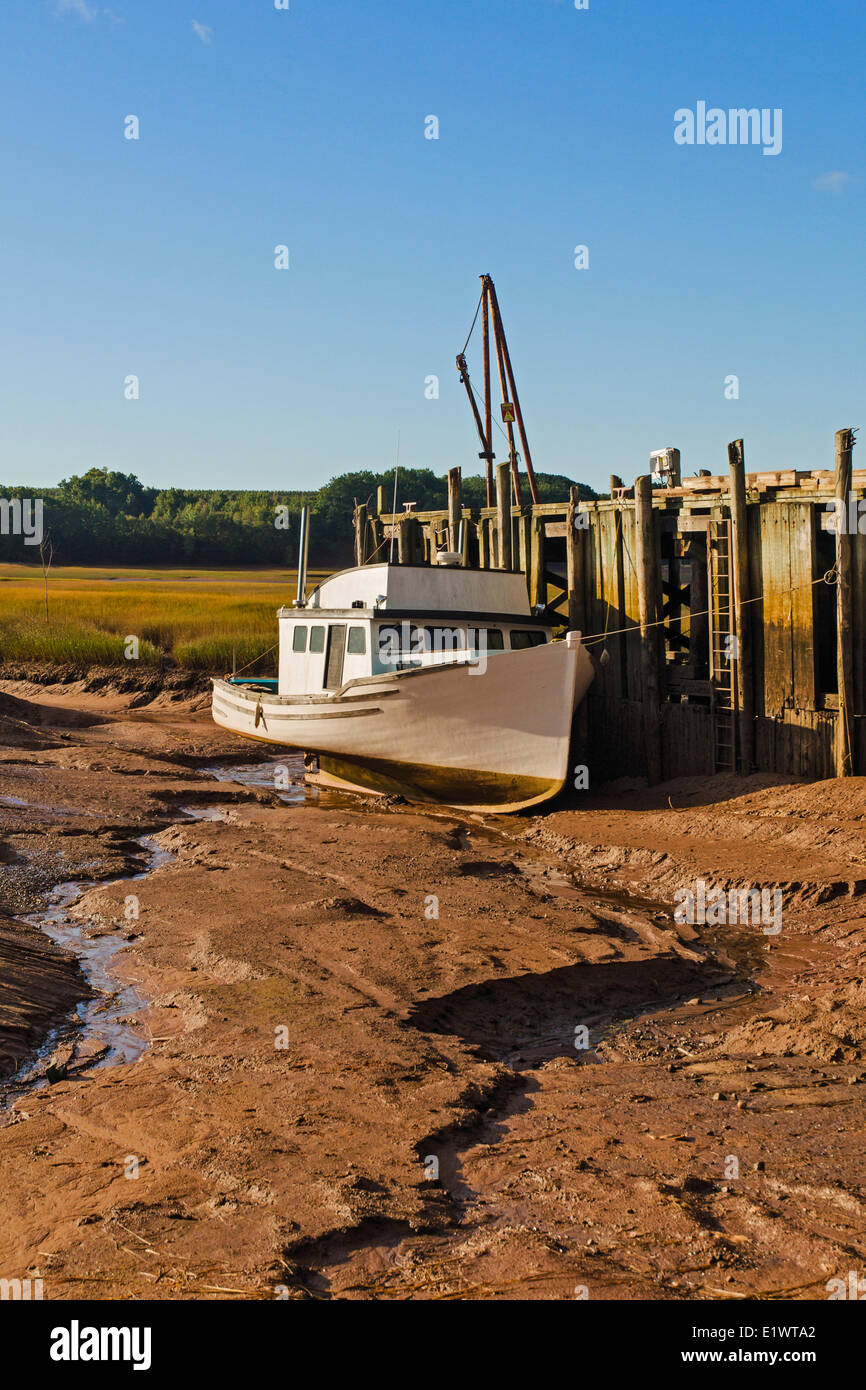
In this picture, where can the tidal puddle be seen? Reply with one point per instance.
(108, 1028)
(282, 773)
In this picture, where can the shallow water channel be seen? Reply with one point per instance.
(107, 1027)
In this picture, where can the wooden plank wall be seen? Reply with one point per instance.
(794, 719)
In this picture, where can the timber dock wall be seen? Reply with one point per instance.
(727, 613)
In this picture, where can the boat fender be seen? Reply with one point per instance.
(260, 715)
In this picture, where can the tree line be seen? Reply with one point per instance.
(104, 517)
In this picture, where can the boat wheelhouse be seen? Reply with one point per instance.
(380, 619)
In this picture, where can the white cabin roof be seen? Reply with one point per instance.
(423, 589)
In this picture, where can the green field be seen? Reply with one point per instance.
(201, 619)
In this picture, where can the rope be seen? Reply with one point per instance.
(493, 417)
(255, 659)
(474, 321)
(828, 578)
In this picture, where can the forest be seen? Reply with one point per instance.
(111, 518)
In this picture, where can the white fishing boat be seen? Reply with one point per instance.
(435, 682)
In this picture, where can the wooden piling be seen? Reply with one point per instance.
(575, 561)
(742, 606)
(535, 570)
(485, 550)
(843, 483)
(406, 539)
(649, 590)
(376, 546)
(503, 516)
(361, 534)
(454, 508)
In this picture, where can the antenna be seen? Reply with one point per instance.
(303, 551)
(394, 507)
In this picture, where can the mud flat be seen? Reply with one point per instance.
(355, 1066)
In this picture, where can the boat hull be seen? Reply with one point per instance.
(490, 737)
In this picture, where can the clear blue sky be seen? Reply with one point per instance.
(261, 127)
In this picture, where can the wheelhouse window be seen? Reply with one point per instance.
(486, 639)
(521, 639)
(444, 639)
(403, 644)
(317, 639)
(357, 643)
(389, 645)
(299, 638)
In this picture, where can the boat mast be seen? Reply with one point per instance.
(511, 411)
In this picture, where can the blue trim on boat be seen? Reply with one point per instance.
(270, 681)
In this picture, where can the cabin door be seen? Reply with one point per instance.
(336, 651)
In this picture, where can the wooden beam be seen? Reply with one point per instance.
(524, 542)
(503, 516)
(502, 346)
(406, 539)
(648, 583)
(535, 569)
(376, 547)
(844, 608)
(742, 607)
(575, 560)
(454, 508)
(488, 399)
(485, 556)
(360, 534)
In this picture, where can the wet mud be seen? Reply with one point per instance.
(260, 1042)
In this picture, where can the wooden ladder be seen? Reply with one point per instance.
(722, 647)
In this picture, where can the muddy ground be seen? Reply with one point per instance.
(390, 1053)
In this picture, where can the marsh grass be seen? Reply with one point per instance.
(198, 618)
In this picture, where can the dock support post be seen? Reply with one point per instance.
(648, 586)
(575, 561)
(844, 606)
(360, 534)
(454, 508)
(485, 558)
(377, 537)
(577, 542)
(535, 569)
(503, 516)
(742, 606)
(406, 539)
